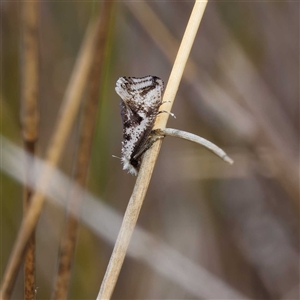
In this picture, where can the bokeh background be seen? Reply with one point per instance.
(240, 90)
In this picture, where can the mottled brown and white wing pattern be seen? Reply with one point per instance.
(141, 99)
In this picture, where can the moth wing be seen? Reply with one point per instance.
(141, 98)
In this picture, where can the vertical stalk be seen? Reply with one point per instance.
(145, 172)
(29, 115)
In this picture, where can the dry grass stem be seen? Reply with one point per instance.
(196, 139)
(30, 65)
(89, 118)
(144, 176)
(29, 121)
(69, 109)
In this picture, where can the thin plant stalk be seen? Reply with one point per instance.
(29, 115)
(147, 166)
(89, 118)
(68, 112)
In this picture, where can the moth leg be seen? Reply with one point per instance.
(147, 145)
(168, 112)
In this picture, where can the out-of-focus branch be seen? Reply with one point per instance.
(29, 119)
(68, 112)
(101, 219)
(278, 134)
(89, 118)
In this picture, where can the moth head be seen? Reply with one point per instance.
(128, 87)
(123, 88)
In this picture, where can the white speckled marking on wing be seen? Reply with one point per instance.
(141, 98)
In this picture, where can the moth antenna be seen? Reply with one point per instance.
(116, 157)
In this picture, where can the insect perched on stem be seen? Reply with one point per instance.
(140, 102)
(141, 99)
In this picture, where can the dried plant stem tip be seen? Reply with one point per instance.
(193, 138)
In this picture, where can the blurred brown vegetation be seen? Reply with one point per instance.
(241, 91)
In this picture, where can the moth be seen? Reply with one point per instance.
(140, 102)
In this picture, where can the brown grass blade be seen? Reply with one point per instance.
(29, 121)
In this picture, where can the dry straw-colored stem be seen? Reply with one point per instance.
(66, 119)
(144, 176)
(29, 120)
(89, 118)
